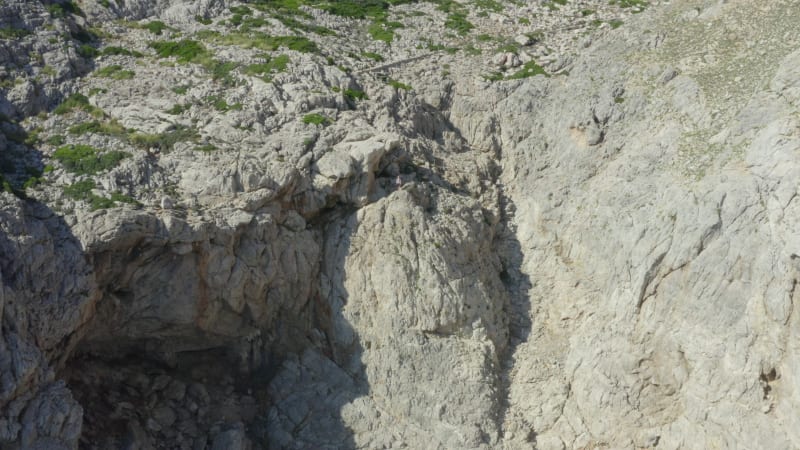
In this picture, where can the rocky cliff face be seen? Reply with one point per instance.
(275, 224)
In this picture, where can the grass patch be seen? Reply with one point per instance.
(86, 160)
(316, 119)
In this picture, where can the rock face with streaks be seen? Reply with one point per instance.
(257, 225)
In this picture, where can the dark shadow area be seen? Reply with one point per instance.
(46, 285)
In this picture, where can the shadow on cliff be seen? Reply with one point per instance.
(309, 391)
(518, 309)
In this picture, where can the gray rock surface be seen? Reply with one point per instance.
(419, 243)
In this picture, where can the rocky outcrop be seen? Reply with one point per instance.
(317, 231)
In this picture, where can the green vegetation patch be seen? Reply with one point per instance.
(112, 128)
(78, 101)
(316, 119)
(178, 109)
(529, 69)
(119, 51)
(219, 103)
(13, 33)
(156, 27)
(459, 23)
(372, 55)
(115, 72)
(86, 160)
(261, 41)
(82, 190)
(398, 85)
(164, 141)
(272, 65)
(61, 10)
(355, 94)
(184, 51)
